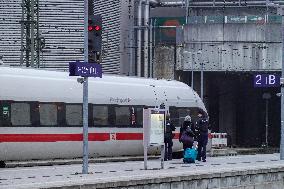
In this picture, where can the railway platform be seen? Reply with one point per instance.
(214, 152)
(238, 172)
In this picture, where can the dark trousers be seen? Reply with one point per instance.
(168, 150)
(202, 142)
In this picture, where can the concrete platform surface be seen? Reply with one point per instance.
(120, 173)
(50, 162)
(214, 152)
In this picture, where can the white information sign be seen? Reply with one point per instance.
(157, 128)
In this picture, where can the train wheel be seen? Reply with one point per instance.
(2, 164)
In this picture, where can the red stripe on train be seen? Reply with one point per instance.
(129, 136)
(69, 137)
(52, 137)
(176, 136)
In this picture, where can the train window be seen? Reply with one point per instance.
(20, 114)
(48, 114)
(178, 113)
(139, 116)
(111, 114)
(35, 119)
(122, 115)
(100, 115)
(61, 114)
(74, 115)
(193, 114)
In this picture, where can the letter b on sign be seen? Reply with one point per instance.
(271, 80)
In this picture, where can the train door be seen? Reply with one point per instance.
(5, 121)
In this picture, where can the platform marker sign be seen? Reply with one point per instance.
(266, 80)
(85, 69)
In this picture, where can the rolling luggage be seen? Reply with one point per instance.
(190, 155)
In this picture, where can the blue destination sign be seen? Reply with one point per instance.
(85, 69)
(266, 80)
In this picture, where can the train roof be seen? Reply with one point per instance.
(44, 73)
(44, 85)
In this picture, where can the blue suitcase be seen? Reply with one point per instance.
(190, 155)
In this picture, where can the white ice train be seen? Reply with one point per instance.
(41, 113)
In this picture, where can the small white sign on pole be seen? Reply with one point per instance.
(153, 131)
(157, 128)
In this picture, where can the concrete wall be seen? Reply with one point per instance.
(164, 63)
(260, 179)
(232, 47)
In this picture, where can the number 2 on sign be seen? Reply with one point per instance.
(258, 79)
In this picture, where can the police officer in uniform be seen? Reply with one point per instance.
(201, 127)
(169, 135)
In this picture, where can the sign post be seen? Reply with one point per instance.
(87, 69)
(153, 131)
(85, 93)
(146, 134)
(266, 96)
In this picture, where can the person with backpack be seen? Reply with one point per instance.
(169, 138)
(201, 127)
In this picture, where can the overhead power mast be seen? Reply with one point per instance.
(31, 42)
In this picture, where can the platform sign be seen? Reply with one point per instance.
(157, 128)
(266, 80)
(256, 19)
(236, 19)
(85, 69)
(153, 126)
(153, 131)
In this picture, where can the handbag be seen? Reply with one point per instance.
(186, 139)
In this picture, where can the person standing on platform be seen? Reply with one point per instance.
(201, 127)
(169, 135)
(187, 129)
